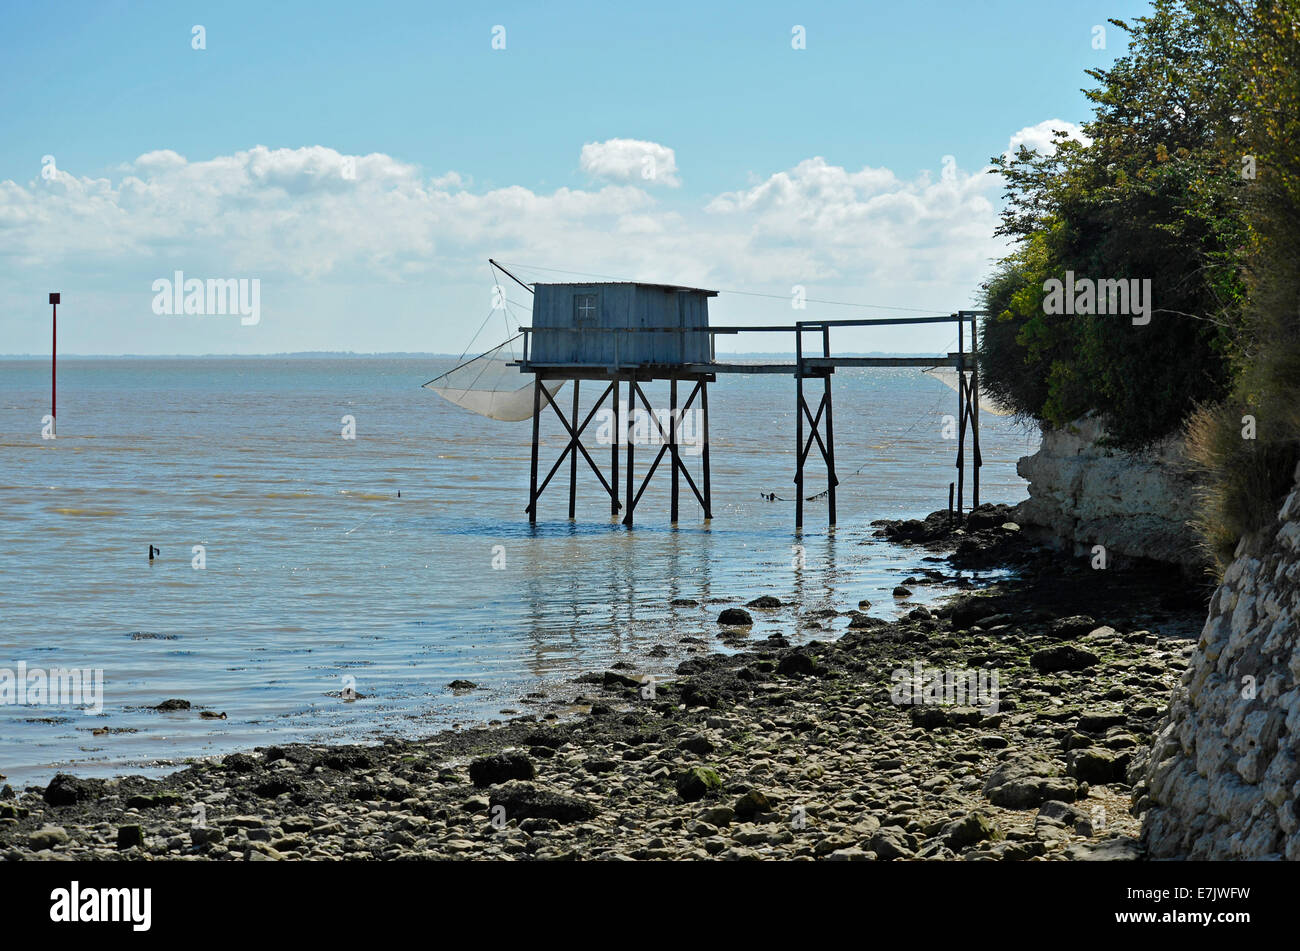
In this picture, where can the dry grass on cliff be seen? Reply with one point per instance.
(1245, 476)
(1243, 480)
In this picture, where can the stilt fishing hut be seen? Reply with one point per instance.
(621, 335)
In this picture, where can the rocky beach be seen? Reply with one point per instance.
(1002, 725)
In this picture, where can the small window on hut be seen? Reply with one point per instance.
(585, 310)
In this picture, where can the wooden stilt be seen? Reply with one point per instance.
(631, 499)
(613, 452)
(537, 419)
(672, 444)
(573, 460)
(831, 479)
(799, 411)
(704, 461)
(829, 454)
(975, 416)
(961, 417)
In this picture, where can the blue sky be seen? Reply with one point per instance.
(823, 167)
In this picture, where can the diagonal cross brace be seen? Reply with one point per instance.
(574, 443)
(814, 433)
(681, 466)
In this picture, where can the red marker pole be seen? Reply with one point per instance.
(54, 362)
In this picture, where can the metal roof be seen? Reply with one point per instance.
(665, 287)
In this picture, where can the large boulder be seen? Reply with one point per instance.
(65, 790)
(892, 842)
(965, 610)
(526, 801)
(968, 830)
(1027, 782)
(697, 782)
(47, 837)
(501, 768)
(1072, 628)
(735, 617)
(1051, 660)
(1097, 767)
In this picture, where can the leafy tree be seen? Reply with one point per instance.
(1152, 193)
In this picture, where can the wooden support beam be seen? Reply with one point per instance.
(704, 409)
(813, 432)
(630, 505)
(551, 475)
(573, 461)
(614, 505)
(961, 420)
(537, 419)
(829, 448)
(645, 483)
(574, 441)
(801, 408)
(975, 415)
(826, 448)
(664, 437)
(672, 443)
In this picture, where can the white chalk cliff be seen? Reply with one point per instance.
(1083, 494)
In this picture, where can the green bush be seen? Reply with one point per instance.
(1151, 196)
(1190, 177)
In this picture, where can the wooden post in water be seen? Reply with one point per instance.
(672, 444)
(54, 363)
(573, 458)
(537, 419)
(704, 461)
(831, 479)
(631, 395)
(961, 415)
(798, 429)
(975, 415)
(613, 453)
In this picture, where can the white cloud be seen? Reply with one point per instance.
(312, 219)
(308, 212)
(157, 161)
(630, 161)
(314, 213)
(1041, 137)
(866, 225)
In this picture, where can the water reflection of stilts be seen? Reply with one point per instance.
(575, 612)
(553, 638)
(814, 561)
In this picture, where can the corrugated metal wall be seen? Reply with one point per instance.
(561, 336)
